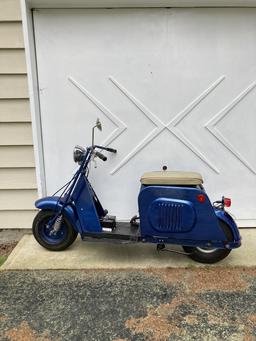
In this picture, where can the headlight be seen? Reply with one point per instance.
(78, 154)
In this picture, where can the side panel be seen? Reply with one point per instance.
(53, 203)
(200, 225)
(85, 206)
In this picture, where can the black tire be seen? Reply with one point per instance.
(60, 244)
(208, 255)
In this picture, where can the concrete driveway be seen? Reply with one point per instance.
(156, 305)
(29, 255)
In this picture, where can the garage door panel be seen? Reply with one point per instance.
(172, 87)
(143, 75)
(242, 115)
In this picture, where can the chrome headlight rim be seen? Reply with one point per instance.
(78, 153)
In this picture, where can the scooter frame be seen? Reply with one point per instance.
(81, 206)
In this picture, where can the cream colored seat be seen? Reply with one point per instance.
(171, 178)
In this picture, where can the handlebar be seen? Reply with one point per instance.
(111, 150)
(101, 156)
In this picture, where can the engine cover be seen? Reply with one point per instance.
(171, 215)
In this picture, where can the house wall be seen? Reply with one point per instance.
(18, 189)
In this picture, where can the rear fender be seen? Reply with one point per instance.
(226, 218)
(53, 204)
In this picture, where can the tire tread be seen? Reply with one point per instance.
(71, 232)
(216, 256)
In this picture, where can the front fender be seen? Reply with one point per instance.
(226, 217)
(54, 204)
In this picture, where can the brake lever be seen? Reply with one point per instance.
(95, 163)
(94, 160)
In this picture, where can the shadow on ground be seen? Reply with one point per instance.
(156, 305)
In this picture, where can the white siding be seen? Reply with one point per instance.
(12, 61)
(11, 35)
(10, 10)
(13, 86)
(17, 156)
(17, 168)
(14, 110)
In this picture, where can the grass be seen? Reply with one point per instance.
(2, 260)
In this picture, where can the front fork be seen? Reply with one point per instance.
(55, 223)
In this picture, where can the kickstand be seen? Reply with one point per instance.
(161, 247)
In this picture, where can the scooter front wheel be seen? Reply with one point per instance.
(46, 236)
(210, 255)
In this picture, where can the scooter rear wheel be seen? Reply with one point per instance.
(44, 235)
(210, 255)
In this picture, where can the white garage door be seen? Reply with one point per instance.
(172, 87)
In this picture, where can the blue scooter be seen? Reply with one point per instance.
(173, 209)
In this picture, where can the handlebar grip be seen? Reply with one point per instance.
(101, 156)
(111, 150)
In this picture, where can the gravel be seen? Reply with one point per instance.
(155, 305)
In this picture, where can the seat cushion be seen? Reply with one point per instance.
(171, 178)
